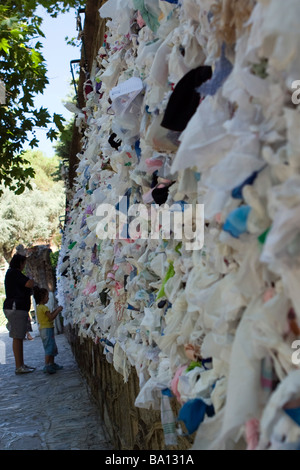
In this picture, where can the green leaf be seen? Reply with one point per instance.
(36, 57)
(34, 143)
(59, 121)
(4, 45)
(52, 134)
(20, 190)
(42, 117)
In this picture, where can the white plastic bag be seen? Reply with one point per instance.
(205, 140)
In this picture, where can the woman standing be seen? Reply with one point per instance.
(16, 308)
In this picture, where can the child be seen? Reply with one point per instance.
(45, 320)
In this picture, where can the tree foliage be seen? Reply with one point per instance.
(27, 8)
(47, 170)
(64, 141)
(33, 216)
(23, 71)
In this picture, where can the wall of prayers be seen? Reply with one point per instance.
(190, 103)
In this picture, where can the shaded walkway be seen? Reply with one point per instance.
(46, 412)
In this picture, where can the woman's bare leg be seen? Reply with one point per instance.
(18, 352)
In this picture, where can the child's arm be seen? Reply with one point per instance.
(53, 315)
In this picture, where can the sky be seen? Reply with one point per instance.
(57, 54)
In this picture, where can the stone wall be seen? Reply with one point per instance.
(129, 427)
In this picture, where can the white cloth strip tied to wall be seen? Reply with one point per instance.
(215, 328)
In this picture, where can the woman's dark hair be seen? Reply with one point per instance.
(17, 261)
(39, 293)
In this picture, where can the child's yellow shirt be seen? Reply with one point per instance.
(43, 320)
